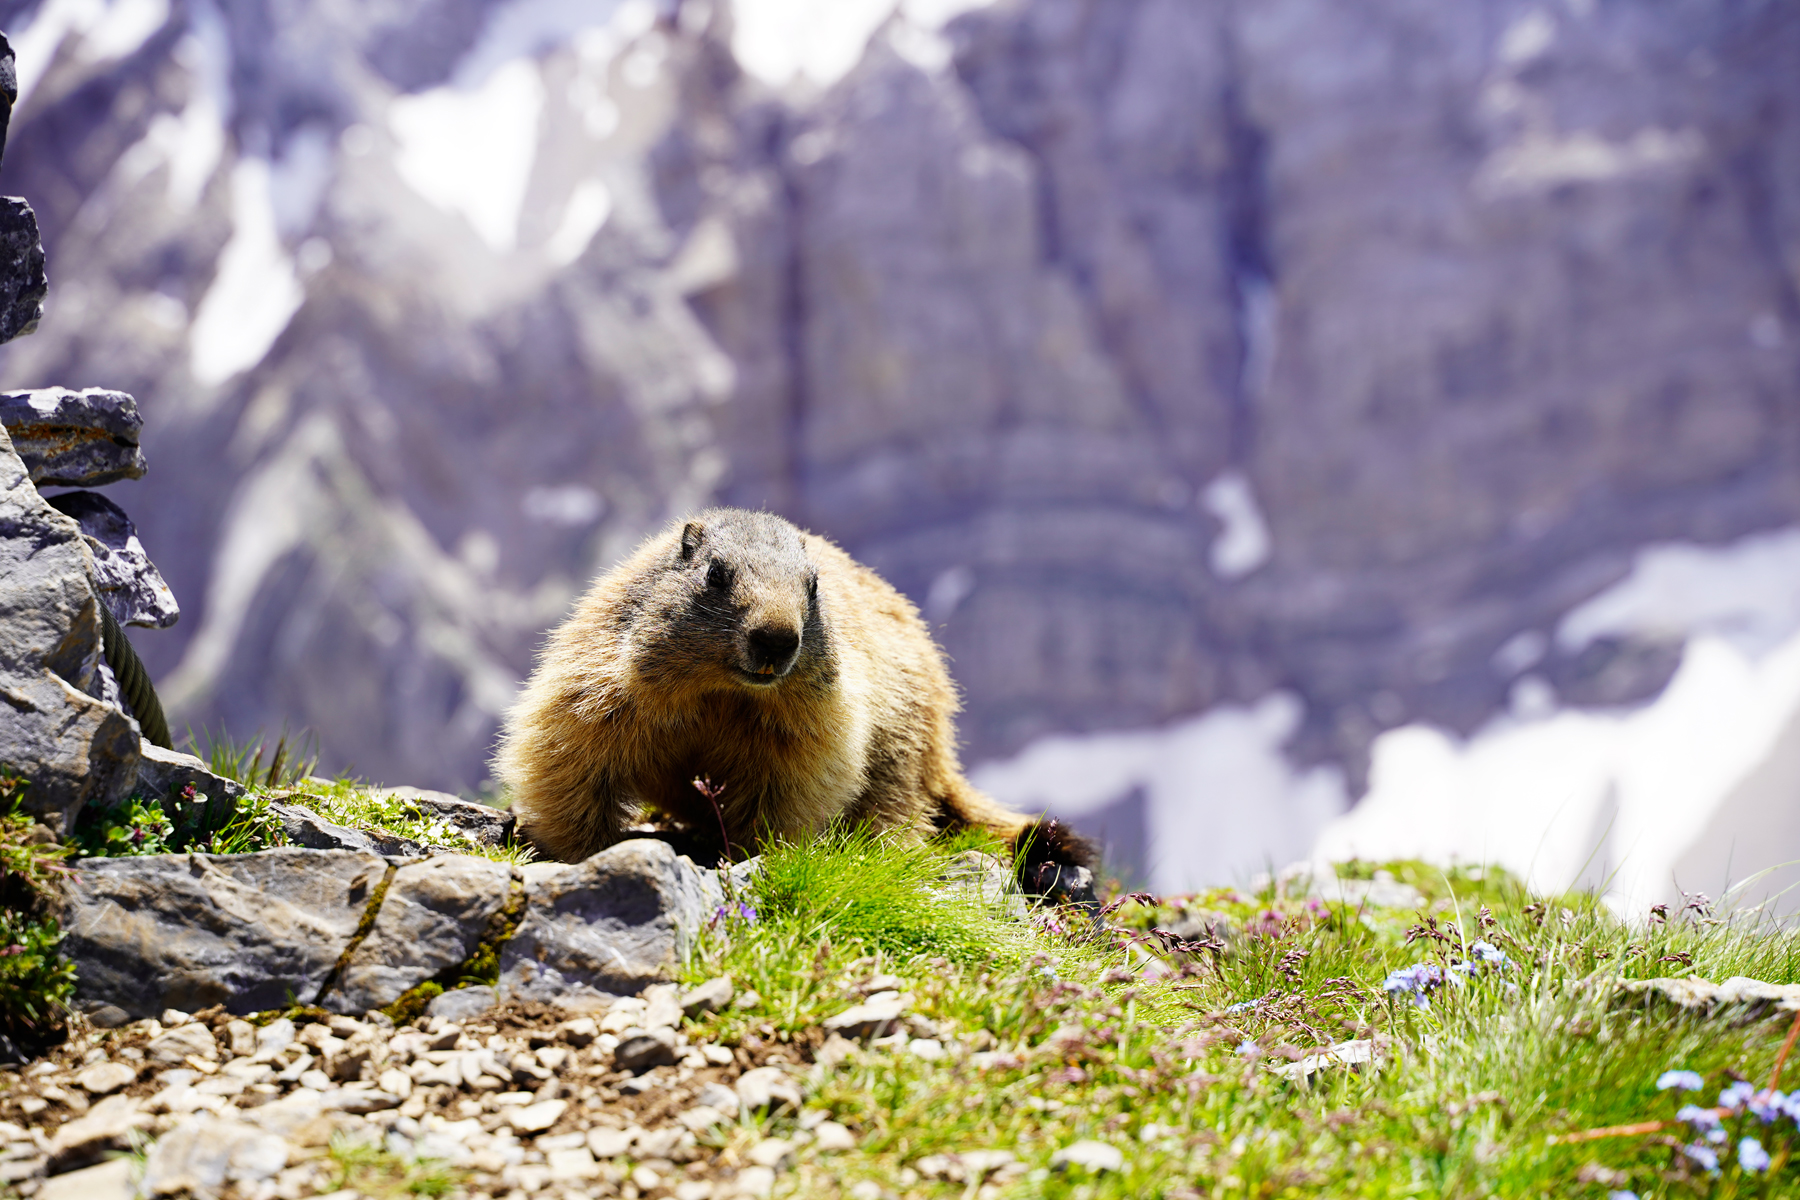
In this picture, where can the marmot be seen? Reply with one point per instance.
(737, 649)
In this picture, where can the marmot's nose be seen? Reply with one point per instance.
(772, 648)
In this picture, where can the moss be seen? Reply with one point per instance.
(481, 967)
(370, 912)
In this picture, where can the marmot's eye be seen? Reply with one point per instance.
(717, 576)
(812, 585)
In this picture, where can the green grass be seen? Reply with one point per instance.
(1100, 1035)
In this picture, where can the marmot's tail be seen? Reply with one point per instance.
(1034, 840)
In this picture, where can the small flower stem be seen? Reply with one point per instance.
(1787, 1046)
(1611, 1131)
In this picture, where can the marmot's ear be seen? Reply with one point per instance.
(690, 539)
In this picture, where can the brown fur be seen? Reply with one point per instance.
(654, 682)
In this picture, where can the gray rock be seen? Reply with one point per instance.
(709, 997)
(9, 87)
(74, 748)
(128, 582)
(111, 1180)
(766, 1087)
(104, 1130)
(1204, 925)
(250, 931)
(304, 827)
(462, 1003)
(643, 1051)
(1740, 996)
(74, 439)
(204, 1153)
(434, 917)
(168, 776)
(1354, 1054)
(877, 1017)
(480, 823)
(22, 280)
(1095, 1156)
(611, 925)
(987, 879)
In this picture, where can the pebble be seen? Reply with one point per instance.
(641, 1052)
(104, 1078)
(610, 1143)
(755, 1181)
(178, 1045)
(108, 1181)
(536, 1117)
(1095, 1156)
(766, 1086)
(875, 1017)
(831, 1136)
(774, 1153)
(709, 997)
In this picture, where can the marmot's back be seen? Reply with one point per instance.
(737, 649)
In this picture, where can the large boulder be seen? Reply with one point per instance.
(74, 748)
(434, 917)
(608, 926)
(186, 931)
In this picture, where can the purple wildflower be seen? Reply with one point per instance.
(1417, 980)
(1735, 1096)
(1687, 1081)
(1699, 1119)
(1703, 1158)
(1752, 1157)
(1490, 955)
(1769, 1107)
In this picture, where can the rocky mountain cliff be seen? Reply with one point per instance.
(1170, 355)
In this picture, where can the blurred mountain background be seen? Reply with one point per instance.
(1308, 427)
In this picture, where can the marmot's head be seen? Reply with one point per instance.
(733, 601)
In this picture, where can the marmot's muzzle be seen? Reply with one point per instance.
(770, 652)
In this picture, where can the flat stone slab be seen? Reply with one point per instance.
(304, 827)
(73, 439)
(480, 823)
(186, 931)
(608, 926)
(434, 917)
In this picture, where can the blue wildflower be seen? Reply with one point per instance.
(1687, 1081)
(1791, 1107)
(1769, 1107)
(1736, 1095)
(1244, 1005)
(1490, 955)
(1418, 981)
(1702, 1157)
(1248, 1049)
(1621, 1196)
(1751, 1156)
(747, 913)
(1700, 1119)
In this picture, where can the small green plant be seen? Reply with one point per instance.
(35, 983)
(374, 1171)
(136, 827)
